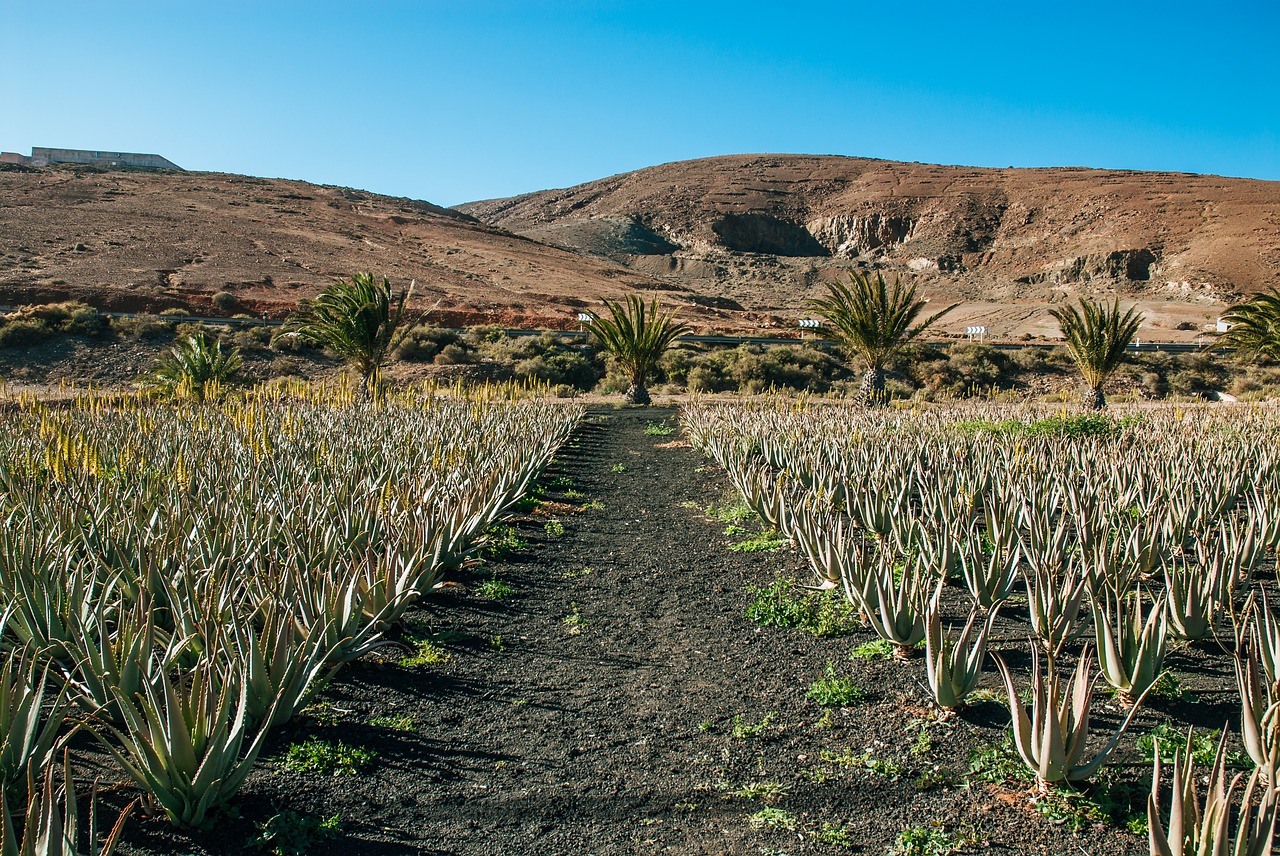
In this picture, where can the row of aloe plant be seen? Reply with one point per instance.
(180, 580)
(1153, 525)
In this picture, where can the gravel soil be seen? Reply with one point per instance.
(619, 702)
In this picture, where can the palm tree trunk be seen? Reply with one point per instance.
(1094, 398)
(636, 394)
(871, 390)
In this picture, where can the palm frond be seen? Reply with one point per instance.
(1255, 326)
(194, 367)
(871, 321)
(360, 320)
(1097, 336)
(636, 335)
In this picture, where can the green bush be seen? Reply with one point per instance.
(424, 341)
(224, 300)
(31, 325)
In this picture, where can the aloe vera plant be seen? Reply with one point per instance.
(1051, 736)
(51, 825)
(1259, 710)
(29, 722)
(1205, 828)
(1054, 602)
(1131, 647)
(894, 604)
(955, 664)
(186, 742)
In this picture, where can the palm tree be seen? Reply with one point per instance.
(636, 336)
(358, 319)
(872, 323)
(1096, 338)
(194, 369)
(1255, 326)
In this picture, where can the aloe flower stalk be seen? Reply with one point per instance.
(1051, 736)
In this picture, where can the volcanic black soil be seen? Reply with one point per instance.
(619, 702)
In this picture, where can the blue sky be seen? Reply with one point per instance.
(468, 99)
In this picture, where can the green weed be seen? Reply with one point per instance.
(291, 834)
(554, 528)
(327, 758)
(764, 541)
(392, 723)
(833, 691)
(428, 653)
(742, 730)
(494, 589)
(502, 542)
(773, 818)
(785, 604)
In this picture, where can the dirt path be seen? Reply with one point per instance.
(614, 732)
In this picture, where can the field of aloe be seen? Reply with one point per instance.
(1122, 539)
(778, 627)
(180, 581)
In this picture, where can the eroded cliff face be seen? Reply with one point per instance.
(851, 235)
(770, 230)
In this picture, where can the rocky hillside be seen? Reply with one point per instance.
(764, 232)
(146, 241)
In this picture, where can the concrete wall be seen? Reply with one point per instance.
(41, 156)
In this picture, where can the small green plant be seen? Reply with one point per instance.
(833, 834)
(494, 589)
(733, 510)
(496, 644)
(502, 541)
(773, 818)
(877, 649)
(330, 758)
(554, 528)
(575, 574)
(833, 691)
(760, 790)
(1172, 741)
(560, 483)
(574, 620)
(592, 505)
(399, 722)
(764, 541)
(706, 726)
(658, 429)
(322, 713)
(573, 494)
(923, 841)
(742, 730)
(785, 604)
(291, 834)
(428, 653)
(932, 779)
(997, 764)
(827, 720)
(619, 468)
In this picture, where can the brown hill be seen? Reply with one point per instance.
(146, 241)
(763, 232)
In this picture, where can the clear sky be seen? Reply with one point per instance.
(468, 99)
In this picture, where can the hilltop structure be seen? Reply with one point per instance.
(44, 157)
